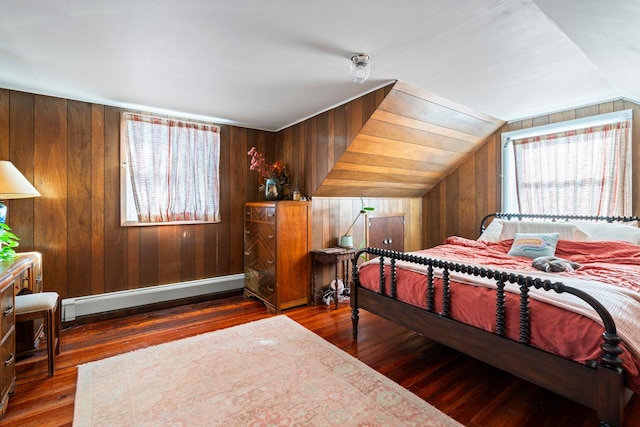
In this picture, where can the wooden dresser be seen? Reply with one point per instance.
(277, 241)
(23, 273)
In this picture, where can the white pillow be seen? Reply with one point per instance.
(492, 232)
(601, 231)
(566, 231)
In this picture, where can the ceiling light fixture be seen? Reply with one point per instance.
(360, 67)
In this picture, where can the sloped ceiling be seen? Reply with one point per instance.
(412, 140)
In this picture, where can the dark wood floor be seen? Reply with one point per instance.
(473, 393)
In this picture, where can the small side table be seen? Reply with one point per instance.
(334, 256)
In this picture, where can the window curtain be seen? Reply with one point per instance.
(578, 172)
(174, 168)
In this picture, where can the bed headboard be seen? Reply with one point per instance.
(553, 218)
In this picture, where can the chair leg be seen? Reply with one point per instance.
(50, 339)
(57, 321)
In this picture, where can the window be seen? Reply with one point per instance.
(579, 167)
(170, 171)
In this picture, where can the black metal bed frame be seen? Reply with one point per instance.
(599, 386)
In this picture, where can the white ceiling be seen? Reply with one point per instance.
(267, 64)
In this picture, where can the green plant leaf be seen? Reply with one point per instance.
(8, 241)
(7, 235)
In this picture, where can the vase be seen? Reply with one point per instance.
(346, 241)
(272, 189)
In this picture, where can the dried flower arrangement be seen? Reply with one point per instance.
(267, 170)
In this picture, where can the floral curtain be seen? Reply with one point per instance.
(578, 172)
(174, 168)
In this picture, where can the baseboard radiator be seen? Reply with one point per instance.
(102, 303)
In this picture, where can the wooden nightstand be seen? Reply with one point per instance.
(333, 256)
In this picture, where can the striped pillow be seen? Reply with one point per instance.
(534, 245)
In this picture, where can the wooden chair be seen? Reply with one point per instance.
(46, 306)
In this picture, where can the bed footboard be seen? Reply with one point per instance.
(599, 386)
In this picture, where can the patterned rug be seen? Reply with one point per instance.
(272, 372)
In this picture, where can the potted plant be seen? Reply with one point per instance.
(8, 241)
(346, 240)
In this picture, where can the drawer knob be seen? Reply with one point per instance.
(271, 236)
(247, 253)
(8, 311)
(10, 360)
(271, 262)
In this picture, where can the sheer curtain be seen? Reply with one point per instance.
(174, 168)
(578, 172)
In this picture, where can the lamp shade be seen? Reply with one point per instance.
(13, 185)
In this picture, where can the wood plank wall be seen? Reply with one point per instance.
(311, 148)
(410, 142)
(332, 216)
(70, 151)
(459, 202)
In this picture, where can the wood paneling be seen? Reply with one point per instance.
(310, 149)
(97, 266)
(21, 129)
(332, 216)
(4, 124)
(115, 236)
(51, 172)
(79, 156)
(70, 151)
(405, 146)
(457, 204)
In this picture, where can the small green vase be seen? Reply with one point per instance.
(272, 189)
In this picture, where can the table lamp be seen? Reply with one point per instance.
(13, 185)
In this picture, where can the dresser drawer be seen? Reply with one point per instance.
(8, 361)
(264, 213)
(7, 307)
(261, 281)
(260, 240)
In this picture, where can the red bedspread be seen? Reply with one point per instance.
(553, 329)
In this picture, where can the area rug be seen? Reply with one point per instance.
(272, 372)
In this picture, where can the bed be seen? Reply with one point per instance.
(574, 330)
